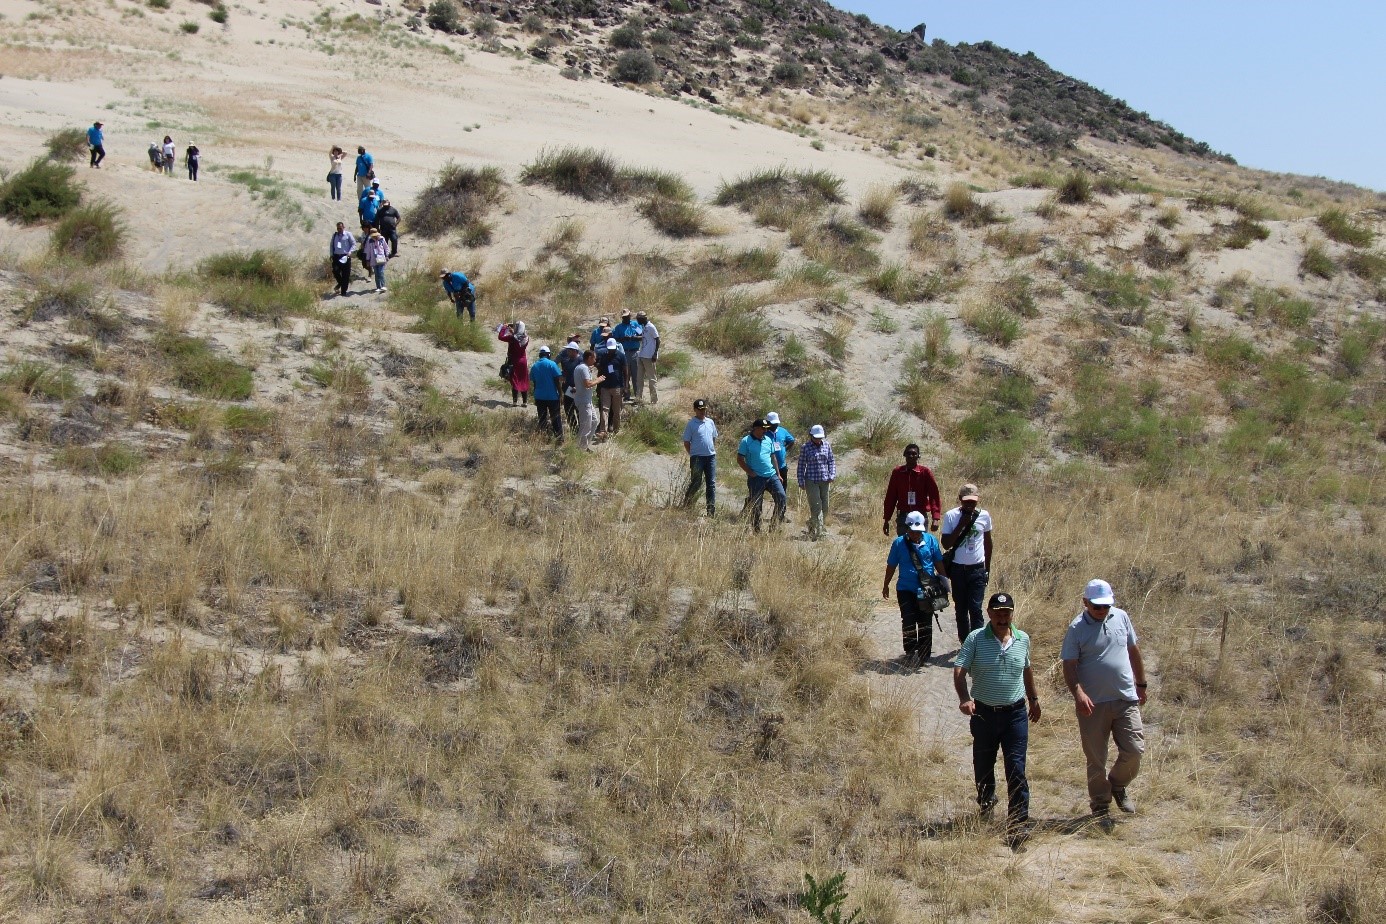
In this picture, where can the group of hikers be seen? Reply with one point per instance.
(583, 390)
(992, 674)
(162, 155)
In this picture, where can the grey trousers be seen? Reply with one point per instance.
(1118, 720)
(817, 492)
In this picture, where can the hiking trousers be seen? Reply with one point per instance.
(1118, 721)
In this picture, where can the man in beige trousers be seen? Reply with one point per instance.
(1105, 674)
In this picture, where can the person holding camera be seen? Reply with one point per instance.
(967, 542)
(918, 558)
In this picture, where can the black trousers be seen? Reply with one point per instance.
(550, 417)
(392, 236)
(570, 412)
(916, 625)
(341, 272)
(98, 154)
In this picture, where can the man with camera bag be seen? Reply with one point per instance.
(918, 557)
(967, 558)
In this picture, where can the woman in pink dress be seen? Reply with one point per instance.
(517, 346)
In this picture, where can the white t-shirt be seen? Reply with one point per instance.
(583, 380)
(648, 337)
(970, 549)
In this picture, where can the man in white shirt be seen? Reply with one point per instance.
(646, 358)
(967, 547)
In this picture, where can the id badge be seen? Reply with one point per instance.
(909, 498)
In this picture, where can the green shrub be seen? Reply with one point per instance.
(445, 329)
(67, 144)
(92, 233)
(994, 323)
(160, 4)
(628, 36)
(189, 27)
(1367, 265)
(652, 428)
(444, 16)
(342, 375)
(40, 191)
(1339, 227)
(673, 217)
(635, 66)
(1119, 422)
(110, 460)
(1244, 232)
(198, 369)
(961, 205)
(1119, 290)
(1075, 189)
(40, 380)
(260, 284)
(219, 14)
(59, 296)
(1230, 351)
(731, 326)
(1357, 343)
(819, 399)
(839, 242)
(774, 194)
(1016, 292)
(788, 72)
(880, 434)
(459, 199)
(898, 283)
(250, 421)
(1317, 262)
(433, 415)
(595, 175)
(1279, 307)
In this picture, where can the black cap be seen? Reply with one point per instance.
(759, 423)
(1001, 601)
(700, 405)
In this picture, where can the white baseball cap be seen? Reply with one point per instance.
(1099, 591)
(611, 343)
(817, 431)
(772, 417)
(914, 520)
(545, 349)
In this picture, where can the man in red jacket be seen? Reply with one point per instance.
(912, 487)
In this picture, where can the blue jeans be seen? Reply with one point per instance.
(969, 591)
(380, 275)
(1007, 728)
(334, 185)
(702, 469)
(756, 486)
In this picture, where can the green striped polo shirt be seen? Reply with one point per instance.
(998, 677)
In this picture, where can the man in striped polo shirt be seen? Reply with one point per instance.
(998, 658)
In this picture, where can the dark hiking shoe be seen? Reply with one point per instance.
(1124, 801)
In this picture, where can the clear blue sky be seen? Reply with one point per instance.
(1287, 86)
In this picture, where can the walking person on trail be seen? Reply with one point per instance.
(367, 208)
(169, 153)
(601, 333)
(517, 358)
(1106, 675)
(700, 442)
(460, 292)
(611, 361)
(816, 472)
(569, 358)
(547, 379)
(967, 540)
(192, 158)
(96, 140)
(627, 333)
(343, 243)
(755, 455)
(377, 255)
(156, 156)
(911, 487)
(783, 440)
(334, 173)
(647, 358)
(365, 170)
(1001, 705)
(387, 220)
(585, 381)
(918, 558)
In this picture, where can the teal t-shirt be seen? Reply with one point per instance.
(759, 454)
(998, 677)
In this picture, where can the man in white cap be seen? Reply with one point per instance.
(816, 471)
(967, 547)
(647, 358)
(611, 364)
(917, 556)
(546, 381)
(783, 440)
(1104, 672)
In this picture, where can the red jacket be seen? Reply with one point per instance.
(920, 480)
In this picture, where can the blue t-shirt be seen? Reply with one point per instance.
(545, 376)
(94, 137)
(456, 282)
(597, 338)
(759, 455)
(369, 206)
(627, 334)
(701, 436)
(782, 439)
(364, 162)
(930, 556)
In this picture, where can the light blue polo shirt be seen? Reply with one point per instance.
(701, 437)
(1104, 664)
(759, 455)
(998, 677)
